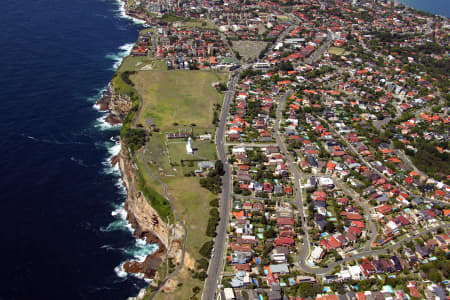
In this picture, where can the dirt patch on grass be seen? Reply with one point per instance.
(249, 49)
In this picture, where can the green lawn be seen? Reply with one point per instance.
(205, 150)
(157, 153)
(181, 97)
(336, 51)
(141, 63)
(191, 201)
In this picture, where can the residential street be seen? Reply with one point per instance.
(215, 265)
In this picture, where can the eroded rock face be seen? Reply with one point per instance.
(149, 266)
(117, 105)
(145, 221)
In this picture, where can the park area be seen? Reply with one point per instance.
(178, 98)
(179, 101)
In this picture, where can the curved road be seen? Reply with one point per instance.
(330, 267)
(305, 250)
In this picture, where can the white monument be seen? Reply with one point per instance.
(189, 149)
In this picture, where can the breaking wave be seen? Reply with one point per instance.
(122, 13)
(118, 57)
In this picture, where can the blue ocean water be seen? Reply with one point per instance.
(62, 234)
(59, 237)
(439, 7)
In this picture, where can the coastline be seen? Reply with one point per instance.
(146, 225)
(144, 222)
(416, 8)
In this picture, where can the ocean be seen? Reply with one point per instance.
(63, 230)
(64, 234)
(438, 7)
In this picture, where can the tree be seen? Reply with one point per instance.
(306, 290)
(434, 276)
(202, 263)
(205, 250)
(329, 227)
(270, 233)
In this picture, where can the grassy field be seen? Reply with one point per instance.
(141, 63)
(132, 63)
(182, 97)
(336, 50)
(249, 49)
(158, 154)
(175, 99)
(191, 201)
(190, 23)
(205, 150)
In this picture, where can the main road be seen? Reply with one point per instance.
(215, 264)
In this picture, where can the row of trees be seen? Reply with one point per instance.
(213, 181)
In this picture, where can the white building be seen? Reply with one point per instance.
(189, 149)
(229, 294)
(355, 272)
(317, 254)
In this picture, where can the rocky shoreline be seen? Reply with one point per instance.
(144, 220)
(115, 104)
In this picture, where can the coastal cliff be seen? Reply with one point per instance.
(147, 224)
(134, 11)
(116, 104)
(144, 219)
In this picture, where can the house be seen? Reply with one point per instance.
(279, 258)
(378, 266)
(317, 254)
(239, 257)
(413, 289)
(285, 221)
(284, 241)
(397, 265)
(275, 292)
(367, 268)
(355, 272)
(279, 269)
(384, 209)
(410, 255)
(422, 252)
(388, 266)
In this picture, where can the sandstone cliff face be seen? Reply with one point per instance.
(117, 105)
(144, 220)
(141, 215)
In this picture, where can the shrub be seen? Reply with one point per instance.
(205, 250)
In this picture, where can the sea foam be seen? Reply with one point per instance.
(138, 252)
(118, 57)
(101, 124)
(122, 13)
(113, 147)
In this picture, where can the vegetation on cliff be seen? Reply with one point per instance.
(134, 138)
(158, 202)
